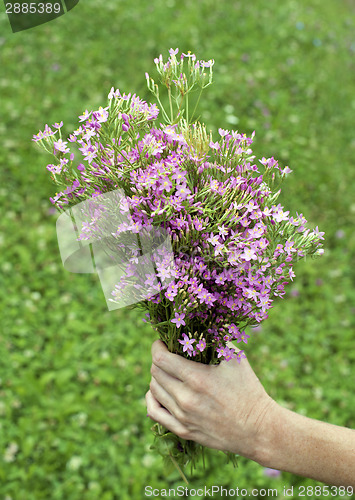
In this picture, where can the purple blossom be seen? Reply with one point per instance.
(166, 184)
(215, 145)
(198, 224)
(229, 353)
(210, 299)
(179, 320)
(201, 345)
(281, 216)
(101, 115)
(54, 169)
(38, 137)
(318, 233)
(233, 330)
(213, 239)
(286, 170)
(220, 279)
(187, 344)
(85, 116)
(61, 146)
(223, 132)
(291, 274)
(222, 231)
(207, 64)
(163, 273)
(271, 472)
(170, 295)
(222, 351)
(203, 295)
(242, 336)
(240, 355)
(251, 205)
(249, 254)
(151, 279)
(183, 192)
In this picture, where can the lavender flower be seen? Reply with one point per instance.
(272, 472)
(187, 343)
(179, 320)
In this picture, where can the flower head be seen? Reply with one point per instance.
(201, 345)
(187, 344)
(179, 320)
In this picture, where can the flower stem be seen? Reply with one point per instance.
(177, 466)
(171, 106)
(196, 105)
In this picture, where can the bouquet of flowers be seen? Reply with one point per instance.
(179, 223)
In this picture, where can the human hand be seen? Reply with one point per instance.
(219, 406)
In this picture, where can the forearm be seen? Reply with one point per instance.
(307, 447)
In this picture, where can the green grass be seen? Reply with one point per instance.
(72, 375)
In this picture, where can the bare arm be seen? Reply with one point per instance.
(226, 407)
(309, 448)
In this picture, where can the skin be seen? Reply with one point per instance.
(225, 407)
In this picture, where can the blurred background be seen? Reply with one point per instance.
(73, 376)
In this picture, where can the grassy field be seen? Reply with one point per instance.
(73, 376)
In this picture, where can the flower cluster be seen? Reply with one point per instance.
(234, 246)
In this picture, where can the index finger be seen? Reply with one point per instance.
(175, 365)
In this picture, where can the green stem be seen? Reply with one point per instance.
(177, 466)
(171, 106)
(197, 102)
(166, 118)
(187, 108)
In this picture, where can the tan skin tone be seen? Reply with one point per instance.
(226, 407)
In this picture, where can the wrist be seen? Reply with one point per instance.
(266, 443)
